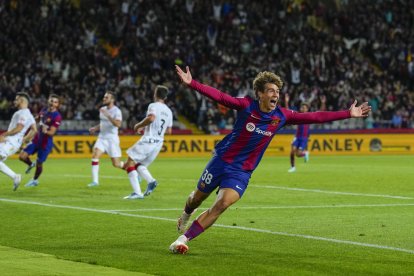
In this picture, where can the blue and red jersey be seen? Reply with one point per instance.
(50, 119)
(302, 132)
(253, 130)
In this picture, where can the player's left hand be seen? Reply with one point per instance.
(184, 76)
(359, 111)
(138, 129)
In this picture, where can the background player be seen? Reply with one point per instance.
(50, 119)
(158, 121)
(239, 153)
(300, 141)
(12, 139)
(108, 140)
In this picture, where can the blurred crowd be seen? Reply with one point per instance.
(340, 51)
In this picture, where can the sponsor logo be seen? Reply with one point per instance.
(258, 118)
(238, 187)
(250, 127)
(263, 132)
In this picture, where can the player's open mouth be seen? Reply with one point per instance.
(273, 102)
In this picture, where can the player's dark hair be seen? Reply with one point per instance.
(266, 77)
(24, 95)
(161, 92)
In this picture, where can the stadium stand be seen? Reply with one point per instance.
(78, 49)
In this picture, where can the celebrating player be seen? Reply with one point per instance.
(238, 154)
(108, 140)
(12, 139)
(42, 143)
(158, 121)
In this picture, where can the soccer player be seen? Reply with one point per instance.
(12, 139)
(108, 140)
(49, 121)
(300, 141)
(158, 121)
(238, 154)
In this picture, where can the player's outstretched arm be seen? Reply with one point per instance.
(359, 111)
(211, 92)
(295, 118)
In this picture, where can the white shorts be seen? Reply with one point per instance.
(145, 151)
(110, 146)
(7, 149)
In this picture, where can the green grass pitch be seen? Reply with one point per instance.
(334, 216)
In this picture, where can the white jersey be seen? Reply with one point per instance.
(163, 120)
(107, 129)
(23, 117)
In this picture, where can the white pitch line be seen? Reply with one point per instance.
(376, 246)
(263, 186)
(330, 192)
(276, 207)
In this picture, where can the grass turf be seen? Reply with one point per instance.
(335, 215)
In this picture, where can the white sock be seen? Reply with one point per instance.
(182, 239)
(144, 172)
(95, 170)
(133, 178)
(6, 170)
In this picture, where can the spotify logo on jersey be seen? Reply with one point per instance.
(250, 127)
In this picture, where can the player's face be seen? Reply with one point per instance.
(269, 97)
(17, 101)
(107, 99)
(304, 108)
(53, 103)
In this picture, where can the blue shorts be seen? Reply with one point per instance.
(41, 153)
(300, 143)
(223, 175)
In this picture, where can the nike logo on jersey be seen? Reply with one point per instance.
(238, 187)
(258, 118)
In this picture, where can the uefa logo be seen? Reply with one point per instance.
(250, 127)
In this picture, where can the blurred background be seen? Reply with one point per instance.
(331, 51)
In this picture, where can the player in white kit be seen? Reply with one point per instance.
(108, 140)
(13, 138)
(158, 121)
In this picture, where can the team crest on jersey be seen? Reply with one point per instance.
(48, 120)
(275, 122)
